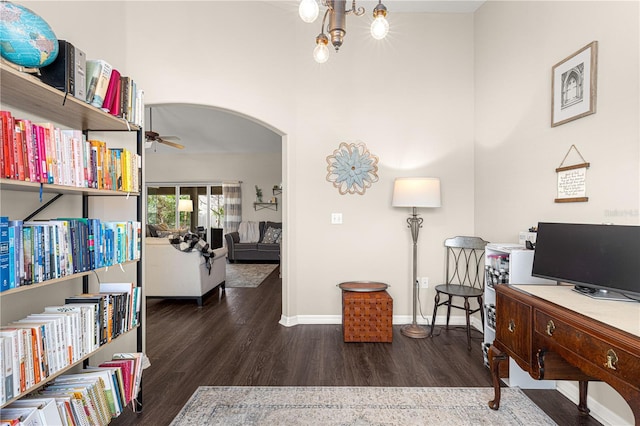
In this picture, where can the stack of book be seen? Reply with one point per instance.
(96, 82)
(41, 345)
(93, 396)
(37, 251)
(41, 152)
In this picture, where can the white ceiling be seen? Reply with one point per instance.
(206, 129)
(428, 6)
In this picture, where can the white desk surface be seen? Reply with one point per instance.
(622, 315)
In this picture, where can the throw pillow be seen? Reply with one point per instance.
(279, 239)
(151, 231)
(271, 235)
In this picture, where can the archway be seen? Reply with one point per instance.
(207, 130)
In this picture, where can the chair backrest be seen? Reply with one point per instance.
(465, 261)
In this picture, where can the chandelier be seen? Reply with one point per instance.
(336, 28)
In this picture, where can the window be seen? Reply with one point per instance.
(195, 208)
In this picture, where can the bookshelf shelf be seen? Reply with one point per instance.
(18, 185)
(64, 370)
(62, 279)
(26, 92)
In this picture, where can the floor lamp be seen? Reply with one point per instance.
(184, 206)
(414, 193)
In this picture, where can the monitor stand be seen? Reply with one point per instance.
(603, 294)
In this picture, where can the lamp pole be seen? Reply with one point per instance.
(414, 330)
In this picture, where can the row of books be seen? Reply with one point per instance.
(96, 82)
(93, 396)
(41, 345)
(41, 152)
(38, 251)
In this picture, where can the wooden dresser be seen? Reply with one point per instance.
(555, 333)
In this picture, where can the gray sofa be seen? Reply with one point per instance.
(260, 251)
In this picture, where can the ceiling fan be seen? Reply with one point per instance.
(151, 136)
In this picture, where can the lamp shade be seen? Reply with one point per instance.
(416, 192)
(185, 205)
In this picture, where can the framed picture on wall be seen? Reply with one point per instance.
(573, 85)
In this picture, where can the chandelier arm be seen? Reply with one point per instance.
(324, 19)
(358, 11)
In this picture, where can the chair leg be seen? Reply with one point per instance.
(480, 303)
(466, 312)
(435, 309)
(448, 311)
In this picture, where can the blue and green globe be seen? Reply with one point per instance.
(25, 38)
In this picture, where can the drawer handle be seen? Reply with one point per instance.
(512, 326)
(612, 360)
(551, 327)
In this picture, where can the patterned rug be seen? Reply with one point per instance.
(211, 405)
(247, 274)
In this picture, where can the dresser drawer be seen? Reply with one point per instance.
(513, 329)
(570, 340)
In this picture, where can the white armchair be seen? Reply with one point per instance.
(171, 273)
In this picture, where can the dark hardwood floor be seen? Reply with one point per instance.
(236, 340)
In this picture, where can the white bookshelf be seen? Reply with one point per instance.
(511, 264)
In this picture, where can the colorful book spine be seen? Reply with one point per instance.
(12, 257)
(3, 154)
(4, 253)
(27, 248)
(80, 74)
(98, 76)
(110, 95)
(36, 154)
(19, 252)
(7, 144)
(17, 152)
(42, 153)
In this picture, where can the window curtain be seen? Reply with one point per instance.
(232, 206)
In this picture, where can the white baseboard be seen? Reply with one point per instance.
(397, 320)
(597, 410)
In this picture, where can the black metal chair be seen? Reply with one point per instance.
(464, 278)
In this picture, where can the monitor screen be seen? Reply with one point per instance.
(599, 257)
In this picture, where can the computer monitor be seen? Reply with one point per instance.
(600, 260)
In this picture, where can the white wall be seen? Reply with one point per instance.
(264, 170)
(517, 151)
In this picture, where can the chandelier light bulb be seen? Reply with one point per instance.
(379, 27)
(321, 53)
(308, 10)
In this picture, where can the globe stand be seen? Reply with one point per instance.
(21, 68)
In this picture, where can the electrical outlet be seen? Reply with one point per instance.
(424, 282)
(336, 218)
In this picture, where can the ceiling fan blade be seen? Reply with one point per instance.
(173, 138)
(151, 135)
(173, 144)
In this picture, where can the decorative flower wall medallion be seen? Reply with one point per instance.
(352, 168)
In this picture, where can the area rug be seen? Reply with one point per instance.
(212, 405)
(247, 274)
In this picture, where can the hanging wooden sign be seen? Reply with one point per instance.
(572, 180)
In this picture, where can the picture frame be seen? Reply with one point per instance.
(573, 85)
